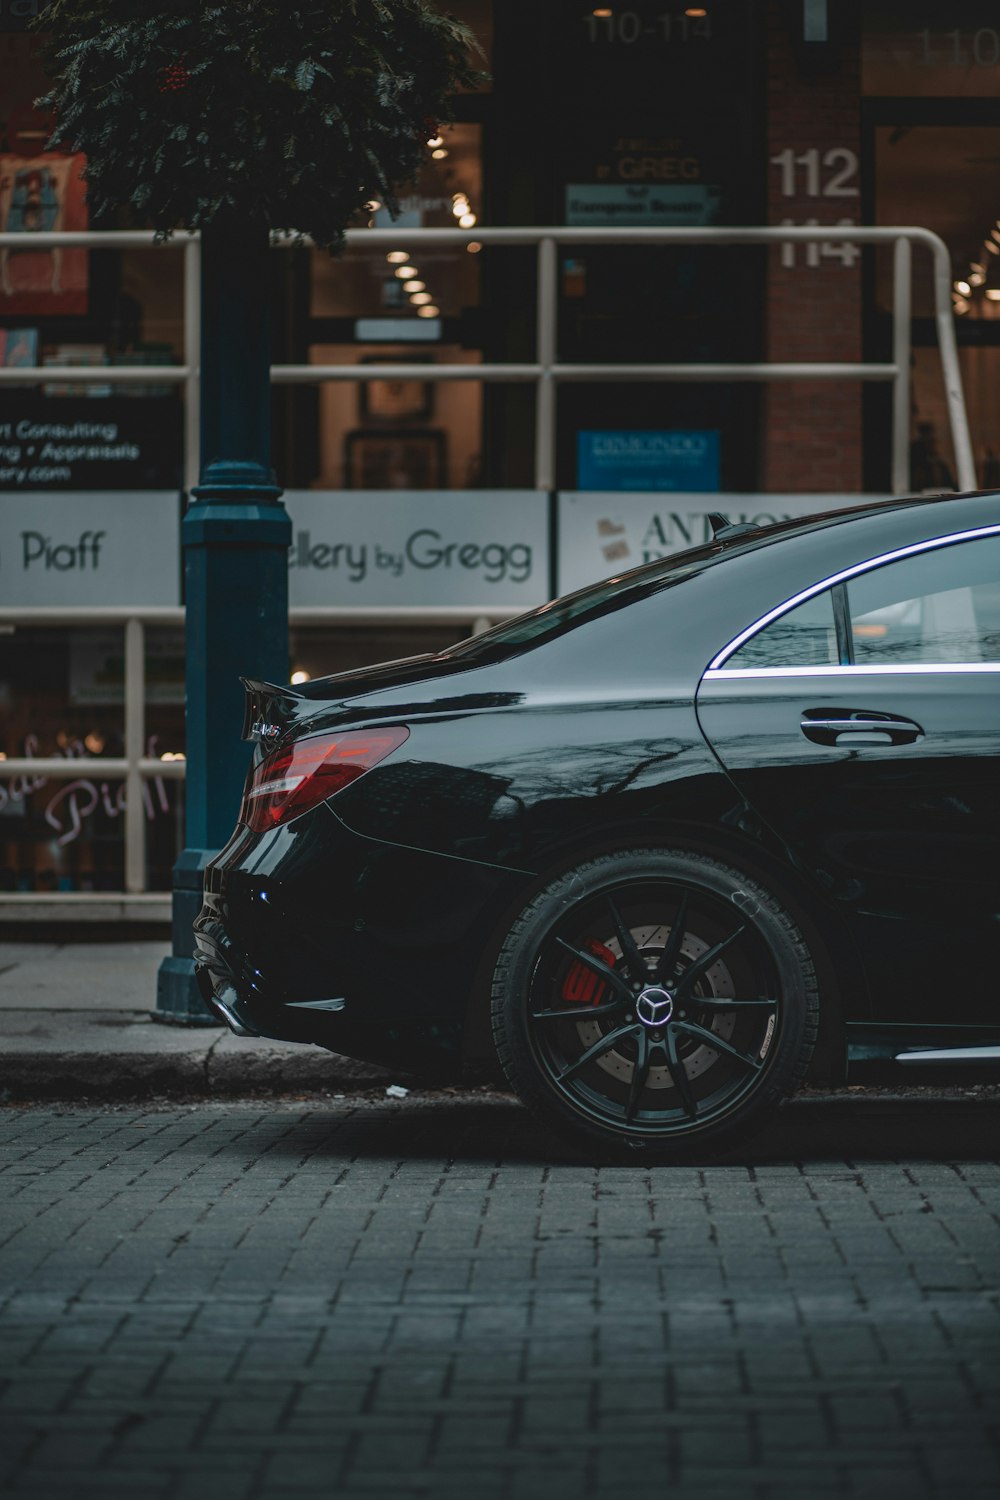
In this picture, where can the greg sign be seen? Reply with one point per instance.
(460, 547)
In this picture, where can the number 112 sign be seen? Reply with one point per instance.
(818, 174)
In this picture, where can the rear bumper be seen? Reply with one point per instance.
(217, 984)
(312, 933)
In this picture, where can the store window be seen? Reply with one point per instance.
(923, 49)
(400, 305)
(76, 307)
(931, 79)
(62, 695)
(947, 178)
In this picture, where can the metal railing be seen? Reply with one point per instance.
(546, 372)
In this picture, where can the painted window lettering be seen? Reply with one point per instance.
(498, 562)
(425, 549)
(38, 550)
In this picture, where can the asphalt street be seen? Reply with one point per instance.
(368, 1297)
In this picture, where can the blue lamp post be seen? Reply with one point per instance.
(235, 538)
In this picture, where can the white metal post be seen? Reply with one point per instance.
(546, 308)
(135, 734)
(901, 312)
(944, 317)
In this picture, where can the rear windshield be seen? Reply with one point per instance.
(553, 619)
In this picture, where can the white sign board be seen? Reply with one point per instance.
(602, 533)
(90, 547)
(479, 548)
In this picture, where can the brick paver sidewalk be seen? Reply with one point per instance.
(360, 1299)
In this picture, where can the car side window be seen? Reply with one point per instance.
(936, 606)
(804, 637)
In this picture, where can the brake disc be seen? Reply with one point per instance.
(651, 942)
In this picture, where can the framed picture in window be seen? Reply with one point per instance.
(395, 401)
(400, 459)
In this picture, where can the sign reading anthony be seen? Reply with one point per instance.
(648, 460)
(604, 534)
(95, 443)
(74, 550)
(466, 547)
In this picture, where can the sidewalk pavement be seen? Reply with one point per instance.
(76, 1022)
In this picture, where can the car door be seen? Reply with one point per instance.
(861, 720)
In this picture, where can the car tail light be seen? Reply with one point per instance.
(289, 782)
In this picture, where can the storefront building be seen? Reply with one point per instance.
(423, 506)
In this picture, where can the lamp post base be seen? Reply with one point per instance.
(178, 999)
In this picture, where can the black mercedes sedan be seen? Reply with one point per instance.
(664, 849)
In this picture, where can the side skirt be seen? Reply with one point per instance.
(922, 1054)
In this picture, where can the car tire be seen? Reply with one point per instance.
(610, 1014)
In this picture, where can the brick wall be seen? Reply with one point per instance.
(813, 430)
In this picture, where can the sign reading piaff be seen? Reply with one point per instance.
(437, 547)
(603, 534)
(98, 549)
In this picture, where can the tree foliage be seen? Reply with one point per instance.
(290, 113)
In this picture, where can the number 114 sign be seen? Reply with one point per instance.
(818, 174)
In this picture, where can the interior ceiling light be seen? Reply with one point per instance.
(976, 278)
(993, 249)
(373, 206)
(473, 247)
(436, 140)
(467, 221)
(993, 294)
(439, 153)
(428, 312)
(397, 257)
(963, 287)
(695, 11)
(603, 11)
(414, 286)
(406, 273)
(420, 299)
(960, 306)
(299, 676)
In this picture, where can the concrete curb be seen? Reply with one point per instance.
(123, 1075)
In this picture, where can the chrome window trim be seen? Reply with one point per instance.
(740, 674)
(828, 583)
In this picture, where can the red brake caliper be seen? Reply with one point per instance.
(581, 985)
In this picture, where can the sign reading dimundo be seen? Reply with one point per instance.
(604, 534)
(478, 548)
(634, 460)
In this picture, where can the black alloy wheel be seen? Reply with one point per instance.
(655, 1000)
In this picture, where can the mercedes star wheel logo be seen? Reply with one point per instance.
(655, 1006)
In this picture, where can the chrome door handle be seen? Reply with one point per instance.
(846, 727)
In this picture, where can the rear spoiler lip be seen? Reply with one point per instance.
(267, 710)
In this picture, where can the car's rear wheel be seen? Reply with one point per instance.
(654, 1000)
